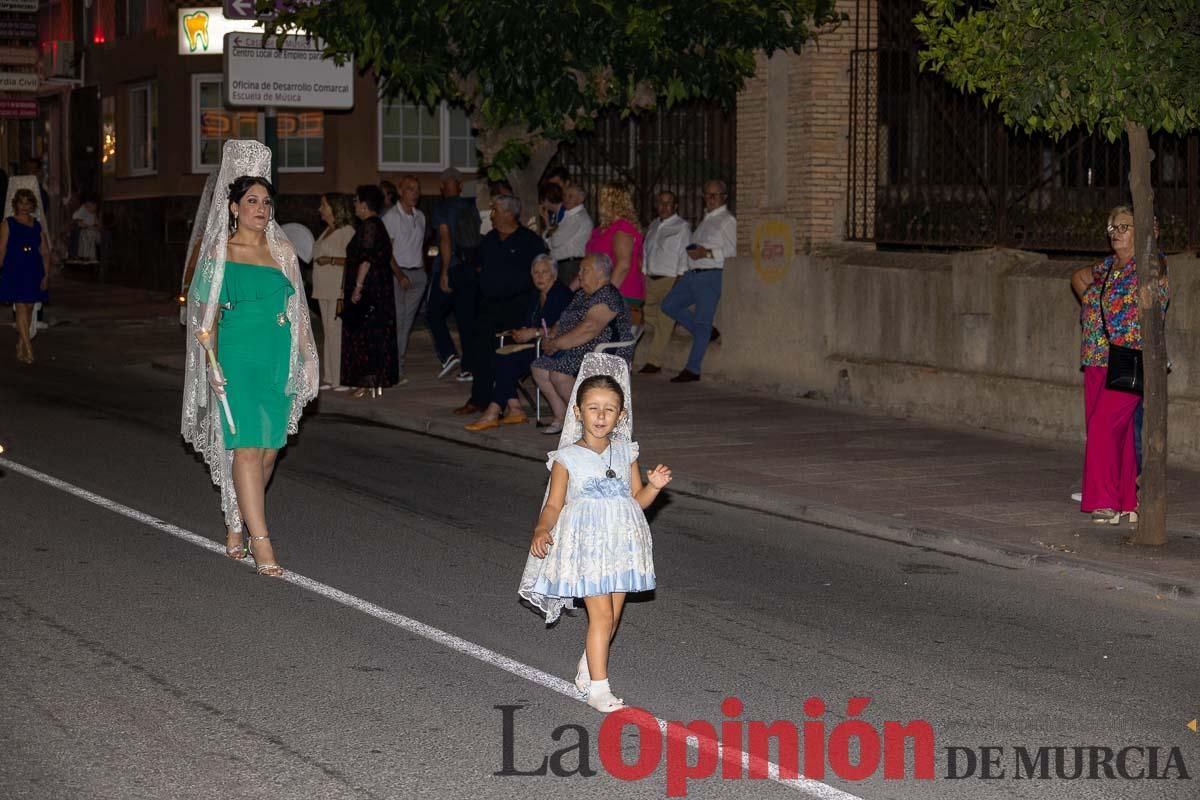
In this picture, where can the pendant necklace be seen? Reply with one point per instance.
(609, 473)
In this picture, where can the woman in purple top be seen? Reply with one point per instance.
(619, 238)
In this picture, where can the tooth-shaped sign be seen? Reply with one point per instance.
(195, 26)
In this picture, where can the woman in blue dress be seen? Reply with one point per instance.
(24, 267)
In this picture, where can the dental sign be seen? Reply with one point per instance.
(202, 30)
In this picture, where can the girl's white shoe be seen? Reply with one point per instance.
(600, 697)
(583, 678)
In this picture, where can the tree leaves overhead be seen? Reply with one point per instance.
(1054, 65)
(549, 67)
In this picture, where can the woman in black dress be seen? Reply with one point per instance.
(369, 357)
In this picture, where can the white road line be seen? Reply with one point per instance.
(806, 786)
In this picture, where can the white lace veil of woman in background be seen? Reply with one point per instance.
(201, 423)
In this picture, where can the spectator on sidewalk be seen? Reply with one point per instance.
(1081, 279)
(85, 230)
(391, 196)
(550, 202)
(369, 359)
(692, 302)
(1109, 315)
(569, 238)
(547, 304)
(495, 189)
(665, 260)
(24, 267)
(504, 288)
(597, 315)
(455, 224)
(620, 238)
(329, 266)
(405, 225)
(560, 177)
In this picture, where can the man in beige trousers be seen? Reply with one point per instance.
(664, 260)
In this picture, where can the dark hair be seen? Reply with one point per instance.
(342, 207)
(561, 173)
(24, 194)
(552, 193)
(600, 382)
(371, 196)
(390, 195)
(500, 187)
(238, 189)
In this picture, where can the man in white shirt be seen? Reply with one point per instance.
(405, 223)
(692, 302)
(664, 259)
(569, 238)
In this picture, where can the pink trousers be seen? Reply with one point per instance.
(1109, 465)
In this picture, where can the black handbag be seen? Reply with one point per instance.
(355, 314)
(1124, 363)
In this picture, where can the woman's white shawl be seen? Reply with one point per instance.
(201, 422)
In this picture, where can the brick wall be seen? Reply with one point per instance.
(818, 101)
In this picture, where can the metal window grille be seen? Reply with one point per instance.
(931, 166)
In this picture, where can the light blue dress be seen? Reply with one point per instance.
(601, 542)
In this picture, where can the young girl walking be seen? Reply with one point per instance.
(592, 540)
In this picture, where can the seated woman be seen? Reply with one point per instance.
(547, 305)
(597, 315)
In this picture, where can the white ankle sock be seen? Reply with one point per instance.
(600, 697)
(581, 671)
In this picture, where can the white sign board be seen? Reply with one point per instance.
(295, 76)
(202, 30)
(21, 6)
(19, 82)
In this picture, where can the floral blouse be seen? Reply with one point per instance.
(1120, 304)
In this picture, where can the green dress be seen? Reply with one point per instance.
(254, 345)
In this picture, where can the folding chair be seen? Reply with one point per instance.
(637, 335)
(534, 400)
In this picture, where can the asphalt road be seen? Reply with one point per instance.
(137, 664)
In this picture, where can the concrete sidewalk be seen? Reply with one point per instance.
(965, 491)
(1000, 498)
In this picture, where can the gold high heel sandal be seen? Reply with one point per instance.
(236, 552)
(270, 570)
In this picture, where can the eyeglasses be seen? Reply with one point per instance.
(713, 194)
(1124, 227)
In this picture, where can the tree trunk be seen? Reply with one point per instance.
(526, 179)
(1152, 511)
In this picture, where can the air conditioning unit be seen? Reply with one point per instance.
(59, 58)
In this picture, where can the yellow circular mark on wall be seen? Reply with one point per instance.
(774, 247)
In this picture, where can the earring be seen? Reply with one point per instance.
(235, 222)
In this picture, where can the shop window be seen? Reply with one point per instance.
(411, 137)
(143, 128)
(213, 123)
(301, 141)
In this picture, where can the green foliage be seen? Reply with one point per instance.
(1055, 65)
(548, 67)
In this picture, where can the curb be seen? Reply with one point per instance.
(827, 516)
(860, 523)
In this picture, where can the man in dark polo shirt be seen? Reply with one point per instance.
(505, 291)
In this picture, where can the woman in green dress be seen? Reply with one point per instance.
(261, 361)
